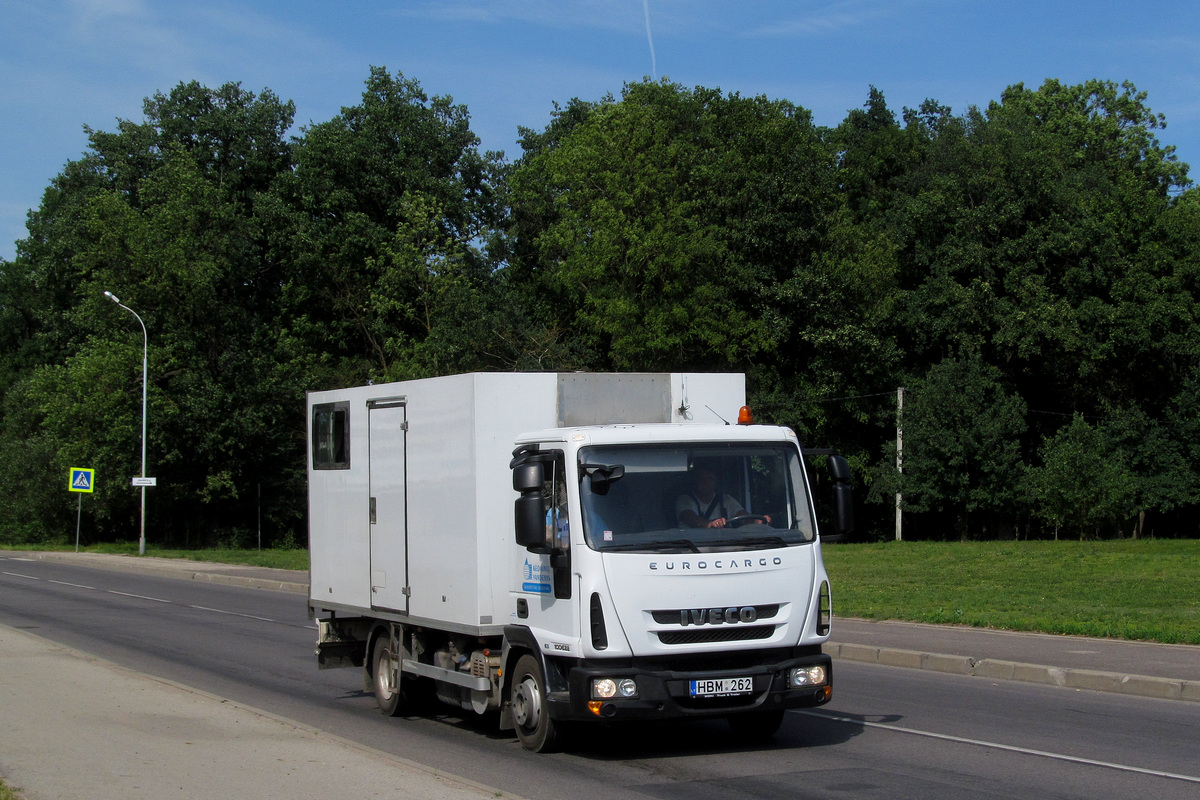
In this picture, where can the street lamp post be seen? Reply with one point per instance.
(145, 374)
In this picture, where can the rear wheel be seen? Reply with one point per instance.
(755, 726)
(535, 729)
(385, 673)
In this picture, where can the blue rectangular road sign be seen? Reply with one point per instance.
(82, 479)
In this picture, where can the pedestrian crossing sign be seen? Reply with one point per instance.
(82, 479)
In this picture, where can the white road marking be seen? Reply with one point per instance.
(137, 596)
(76, 585)
(231, 613)
(1008, 747)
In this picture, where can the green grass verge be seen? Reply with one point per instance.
(1145, 589)
(6, 793)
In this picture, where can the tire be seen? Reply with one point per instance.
(535, 730)
(756, 726)
(389, 695)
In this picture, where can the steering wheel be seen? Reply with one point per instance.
(747, 519)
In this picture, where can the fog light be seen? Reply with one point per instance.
(808, 676)
(627, 687)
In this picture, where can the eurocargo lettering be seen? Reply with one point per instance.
(569, 547)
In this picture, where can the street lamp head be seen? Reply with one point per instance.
(112, 297)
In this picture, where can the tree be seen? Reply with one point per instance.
(1162, 480)
(162, 213)
(388, 199)
(1033, 234)
(1050, 236)
(961, 443)
(1083, 482)
(874, 153)
(658, 225)
(1041, 253)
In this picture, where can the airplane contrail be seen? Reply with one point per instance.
(650, 39)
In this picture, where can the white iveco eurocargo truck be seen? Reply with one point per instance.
(568, 547)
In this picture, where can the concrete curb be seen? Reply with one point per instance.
(1091, 680)
(252, 583)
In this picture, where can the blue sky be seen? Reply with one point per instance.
(67, 63)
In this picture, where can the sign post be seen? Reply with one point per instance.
(82, 481)
(143, 481)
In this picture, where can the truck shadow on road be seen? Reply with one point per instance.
(621, 742)
(803, 729)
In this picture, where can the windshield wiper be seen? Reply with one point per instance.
(686, 544)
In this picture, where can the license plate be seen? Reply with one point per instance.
(722, 687)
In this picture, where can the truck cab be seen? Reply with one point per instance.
(689, 555)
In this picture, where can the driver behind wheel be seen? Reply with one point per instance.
(702, 506)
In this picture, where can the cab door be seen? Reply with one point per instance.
(549, 582)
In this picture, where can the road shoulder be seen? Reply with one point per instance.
(76, 726)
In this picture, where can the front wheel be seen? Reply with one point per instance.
(535, 729)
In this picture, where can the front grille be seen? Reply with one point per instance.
(686, 616)
(739, 633)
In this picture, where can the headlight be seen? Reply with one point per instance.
(808, 676)
(608, 688)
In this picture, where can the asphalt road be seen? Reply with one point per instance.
(889, 732)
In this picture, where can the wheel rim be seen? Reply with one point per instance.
(384, 671)
(527, 704)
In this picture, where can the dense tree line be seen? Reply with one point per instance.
(1026, 271)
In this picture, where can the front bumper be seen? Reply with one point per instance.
(664, 693)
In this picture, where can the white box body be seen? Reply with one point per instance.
(430, 458)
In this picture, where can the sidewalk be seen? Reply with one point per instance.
(76, 727)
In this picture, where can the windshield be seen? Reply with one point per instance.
(698, 498)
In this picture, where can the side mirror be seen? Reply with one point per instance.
(839, 469)
(529, 515)
(529, 511)
(843, 508)
(528, 477)
(843, 497)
